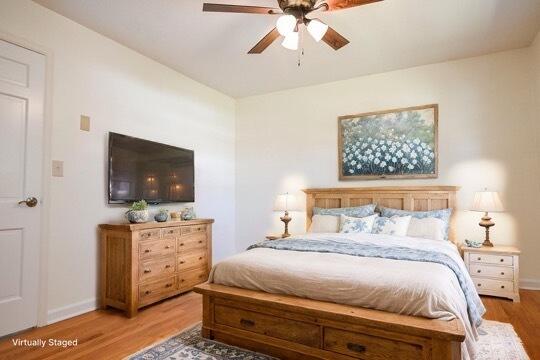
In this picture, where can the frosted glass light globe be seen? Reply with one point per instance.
(285, 24)
(317, 29)
(291, 41)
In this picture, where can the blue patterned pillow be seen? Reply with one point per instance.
(357, 211)
(349, 224)
(395, 225)
(443, 215)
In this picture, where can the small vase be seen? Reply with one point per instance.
(188, 214)
(161, 217)
(137, 216)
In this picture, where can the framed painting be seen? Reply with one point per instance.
(398, 143)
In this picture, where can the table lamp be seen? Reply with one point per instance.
(285, 202)
(486, 202)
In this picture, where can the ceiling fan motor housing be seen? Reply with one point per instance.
(297, 4)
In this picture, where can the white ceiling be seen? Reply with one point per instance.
(394, 34)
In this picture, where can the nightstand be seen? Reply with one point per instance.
(494, 270)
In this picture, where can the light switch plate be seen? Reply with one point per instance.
(85, 123)
(57, 168)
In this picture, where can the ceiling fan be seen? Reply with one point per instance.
(293, 15)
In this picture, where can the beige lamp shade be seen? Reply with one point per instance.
(487, 201)
(286, 202)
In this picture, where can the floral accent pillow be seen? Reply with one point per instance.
(416, 227)
(356, 225)
(395, 225)
(357, 211)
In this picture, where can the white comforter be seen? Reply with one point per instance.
(406, 287)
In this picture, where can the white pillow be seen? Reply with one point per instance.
(427, 228)
(350, 224)
(324, 224)
(395, 225)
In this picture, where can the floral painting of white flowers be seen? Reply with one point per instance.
(400, 143)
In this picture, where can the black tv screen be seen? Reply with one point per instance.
(142, 169)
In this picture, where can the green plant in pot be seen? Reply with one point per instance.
(162, 215)
(138, 213)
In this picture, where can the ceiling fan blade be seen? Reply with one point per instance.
(344, 4)
(265, 42)
(240, 9)
(334, 39)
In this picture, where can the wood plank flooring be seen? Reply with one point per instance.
(109, 335)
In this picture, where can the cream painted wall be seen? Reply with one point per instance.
(128, 93)
(488, 137)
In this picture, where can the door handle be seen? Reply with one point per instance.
(30, 202)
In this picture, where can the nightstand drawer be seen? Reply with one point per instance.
(492, 259)
(493, 285)
(500, 272)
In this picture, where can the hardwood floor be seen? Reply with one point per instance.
(110, 335)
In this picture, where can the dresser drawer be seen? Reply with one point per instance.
(295, 331)
(193, 229)
(491, 259)
(365, 346)
(151, 292)
(151, 249)
(190, 260)
(170, 232)
(500, 272)
(149, 234)
(190, 278)
(191, 242)
(493, 285)
(152, 269)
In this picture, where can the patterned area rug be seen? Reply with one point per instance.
(498, 341)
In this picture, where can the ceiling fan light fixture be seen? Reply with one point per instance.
(291, 41)
(317, 29)
(286, 24)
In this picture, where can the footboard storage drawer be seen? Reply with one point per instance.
(144, 263)
(289, 327)
(295, 331)
(368, 347)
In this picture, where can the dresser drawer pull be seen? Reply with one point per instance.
(247, 322)
(502, 272)
(147, 251)
(170, 232)
(147, 292)
(479, 284)
(200, 257)
(167, 266)
(182, 280)
(478, 271)
(502, 260)
(200, 241)
(182, 262)
(356, 347)
(168, 247)
(502, 286)
(168, 285)
(146, 271)
(181, 244)
(199, 229)
(479, 258)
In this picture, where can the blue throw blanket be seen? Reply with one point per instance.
(474, 305)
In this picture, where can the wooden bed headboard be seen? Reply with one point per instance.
(415, 198)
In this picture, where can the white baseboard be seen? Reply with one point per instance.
(529, 284)
(71, 310)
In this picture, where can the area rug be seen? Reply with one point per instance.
(498, 341)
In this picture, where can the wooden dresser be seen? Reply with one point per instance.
(144, 263)
(494, 270)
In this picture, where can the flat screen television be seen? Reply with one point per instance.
(142, 169)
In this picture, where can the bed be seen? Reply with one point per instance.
(281, 303)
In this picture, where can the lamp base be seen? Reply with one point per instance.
(286, 219)
(487, 223)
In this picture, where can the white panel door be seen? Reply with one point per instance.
(22, 86)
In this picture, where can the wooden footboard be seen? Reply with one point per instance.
(289, 327)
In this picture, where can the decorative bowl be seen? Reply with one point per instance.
(137, 216)
(473, 244)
